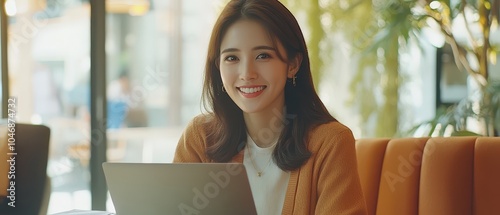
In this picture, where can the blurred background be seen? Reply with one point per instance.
(384, 68)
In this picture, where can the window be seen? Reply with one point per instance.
(155, 56)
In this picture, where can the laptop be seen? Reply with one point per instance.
(180, 188)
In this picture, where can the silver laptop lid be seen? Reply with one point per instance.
(180, 188)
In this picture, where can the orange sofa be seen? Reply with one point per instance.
(430, 176)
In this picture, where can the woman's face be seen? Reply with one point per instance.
(251, 71)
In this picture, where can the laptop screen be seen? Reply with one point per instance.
(180, 188)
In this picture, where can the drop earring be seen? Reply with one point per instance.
(293, 80)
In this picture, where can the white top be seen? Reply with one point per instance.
(269, 189)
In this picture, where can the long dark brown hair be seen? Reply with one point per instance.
(227, 135)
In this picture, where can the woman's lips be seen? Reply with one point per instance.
(251, 91)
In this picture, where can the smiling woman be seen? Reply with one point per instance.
(264, 112)
(252, 71)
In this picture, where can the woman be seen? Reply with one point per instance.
(264, 112)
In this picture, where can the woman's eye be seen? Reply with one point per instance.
(230, 58)
(263, 56)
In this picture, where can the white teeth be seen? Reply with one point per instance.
(251, 90)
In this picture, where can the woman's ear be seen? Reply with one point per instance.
(294, 65)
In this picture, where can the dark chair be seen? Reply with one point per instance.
(32, 186)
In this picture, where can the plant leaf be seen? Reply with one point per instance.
(493, 56)
(464, 133)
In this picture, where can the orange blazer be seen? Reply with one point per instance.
(328, 183)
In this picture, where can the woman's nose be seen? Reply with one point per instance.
(248, 71)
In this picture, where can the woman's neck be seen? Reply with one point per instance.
(265, 128)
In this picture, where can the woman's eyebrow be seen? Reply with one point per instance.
(264, 47)
(229, 50)
(254, 48)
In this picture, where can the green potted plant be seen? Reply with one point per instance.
(479, 19)
(379, 28)
(398, 20)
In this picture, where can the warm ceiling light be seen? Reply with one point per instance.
(10, 8)
(132, 7)
(138, 10)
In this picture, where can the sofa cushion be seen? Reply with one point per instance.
(411, 176)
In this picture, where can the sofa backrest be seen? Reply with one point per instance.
(427, 176)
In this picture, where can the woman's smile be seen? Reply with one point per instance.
(251, 91)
